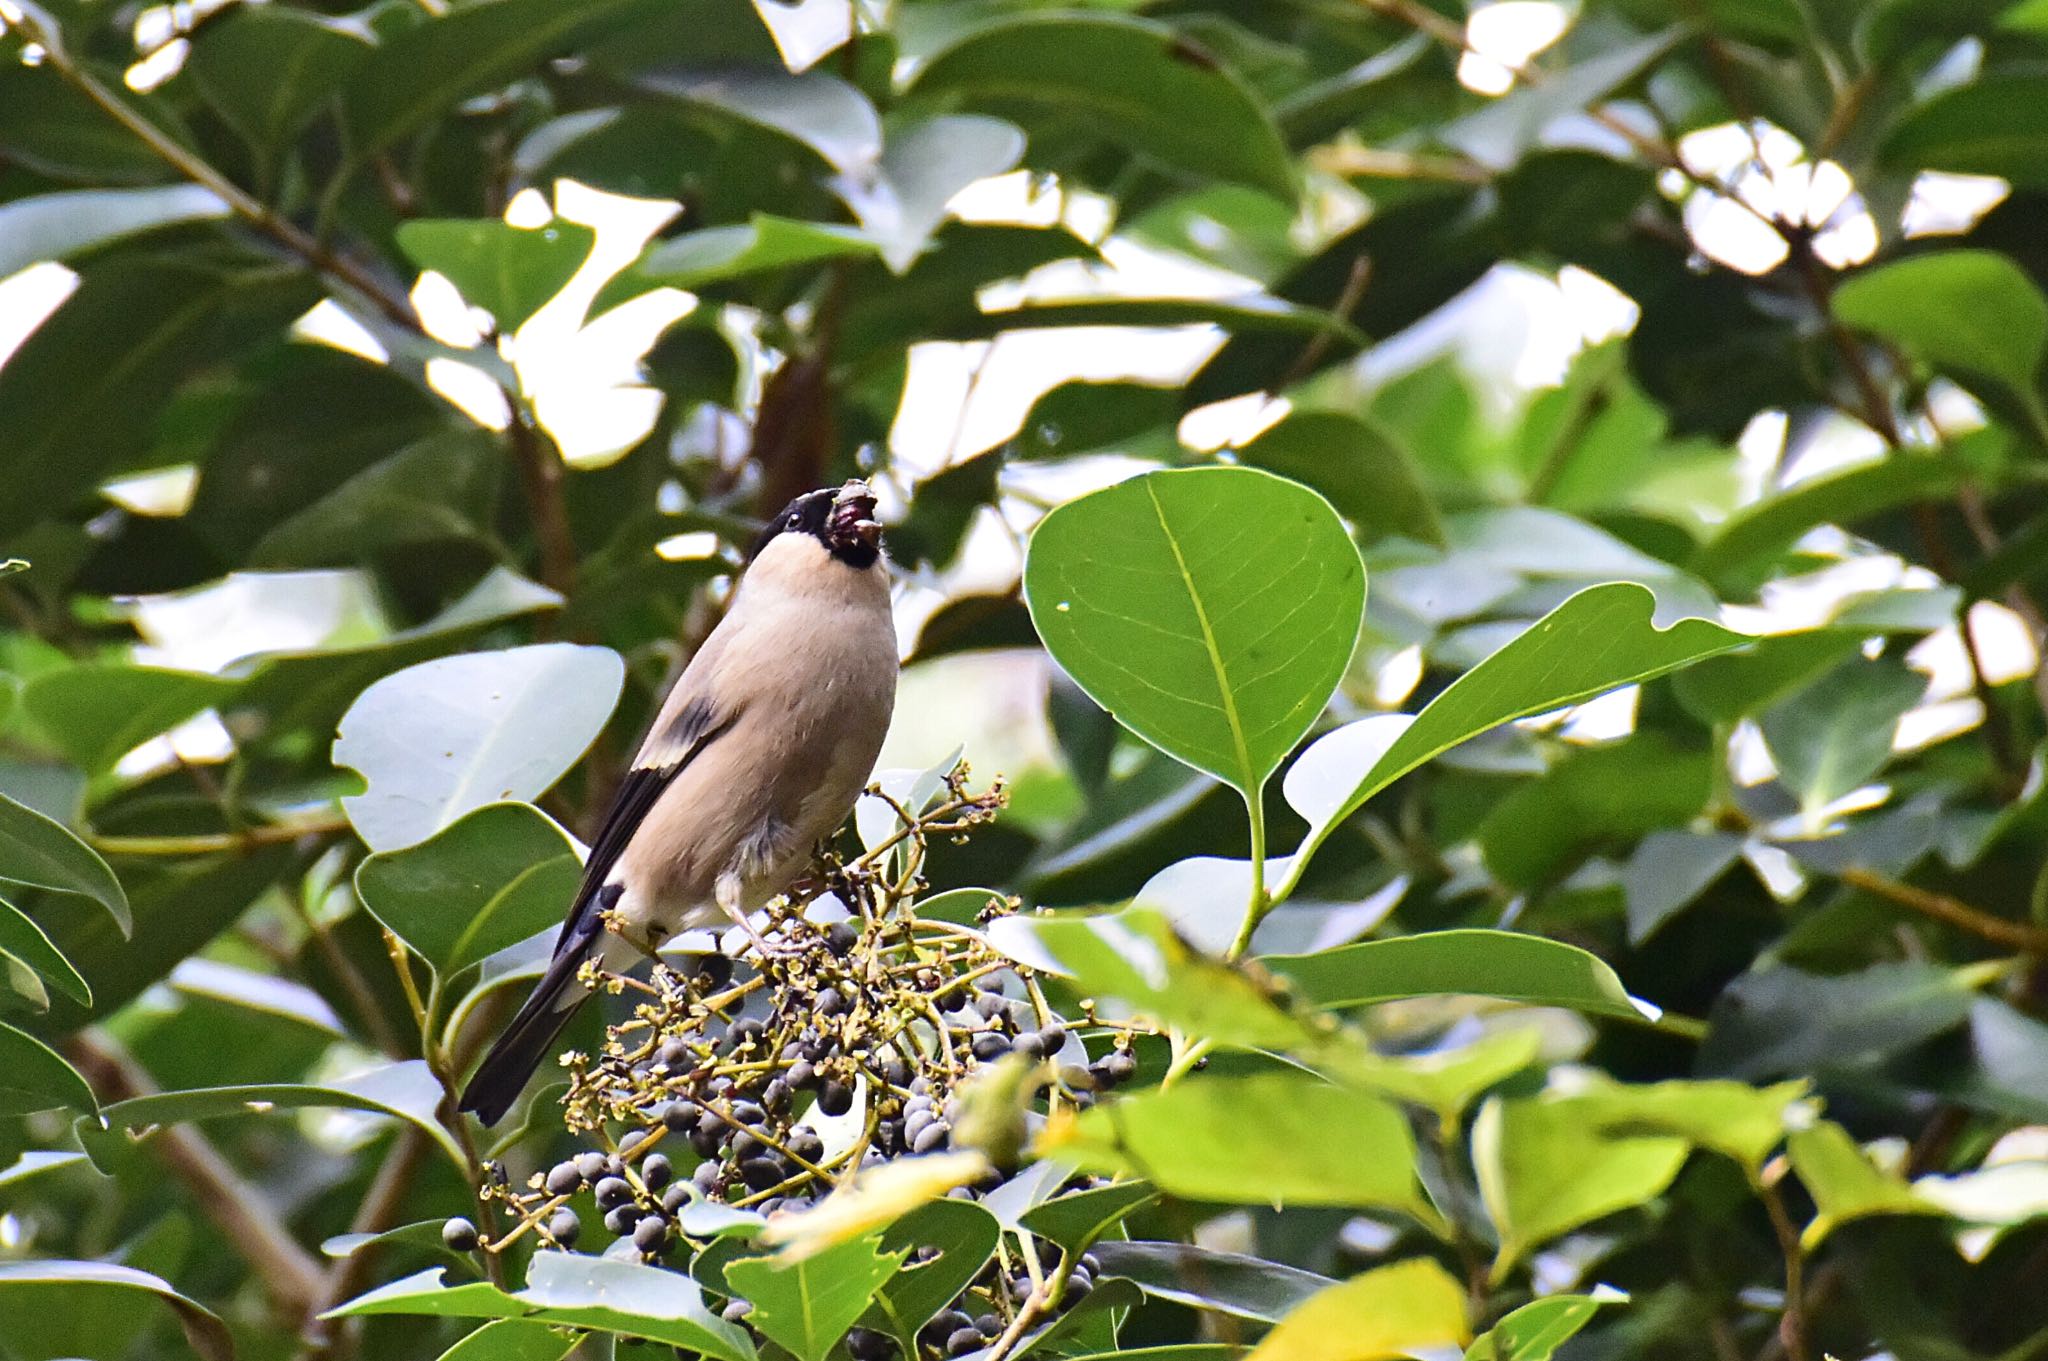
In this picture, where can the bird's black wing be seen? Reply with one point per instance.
(695, 728)
(522, 1045)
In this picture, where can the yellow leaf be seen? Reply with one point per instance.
(874, 1199)
(1387, 1313)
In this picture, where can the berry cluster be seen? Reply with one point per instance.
(846, 1044)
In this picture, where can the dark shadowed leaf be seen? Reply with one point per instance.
(269, 70)
(1779, 1020)
(821, 111)
(1834, 735)
(1139, 84)
(36, 851)
(965, 1235)
(901, 202)
(56, 226)
(33, 1077)
(1202, 1278)
(1997, 125)
(1361, 466)
(431, 67)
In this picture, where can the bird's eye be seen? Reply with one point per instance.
(796, 521)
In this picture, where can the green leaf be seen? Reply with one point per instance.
(1139, 84)
(622, 1298)
(435, 490)
(1745, 547)
(487, 881)
(44, 854)
(1360, 465)
(1593, 798)
(1135, 956)
(34, 1077)
(1245, 314)
(1996, 124)
(1503, 130)
(819, 110)
(1777, 1020)
(1670, 868)
(422, 1233)
(37, 1162)
(1723, 689)
(511, 1339)
(715, 254)
(74, 1287)
(96, 714)
(1731, 1118)
(1535, 1331)
(21, 939)
(901, 202)
(1971, 313)
(965, 1235)
(1394, 1311)
(1448, 1082)
(1545, 1167)
(1598, 640)
(1475, 962)
(438, 740)
(58, 226)
(808, 1305)
(428, 68)
(511, 272)
(1203, 1278)
(1197, 1140)
(405, 1090)
(1079, 1218)
(1211, 610)
(1844, 1183)
(268, 70)
(1834, 735)
(85, 389)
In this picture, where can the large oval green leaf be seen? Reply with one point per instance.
(1140, 84)
(34, 1077)
(491, 880)
(37, 851)
(67, 1289)
(436, 741)
(1211, 610)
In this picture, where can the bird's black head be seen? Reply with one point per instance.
(842, 519)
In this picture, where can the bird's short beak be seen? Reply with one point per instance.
(853, 514)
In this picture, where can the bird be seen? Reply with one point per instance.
(757, 754)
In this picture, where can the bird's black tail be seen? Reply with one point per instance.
(503, 1074)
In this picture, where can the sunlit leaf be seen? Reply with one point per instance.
(509, 271)
(808, 1304)
(1390, 1312)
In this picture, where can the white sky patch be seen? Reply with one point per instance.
(328, 324)
(471, 391)
(1948, 205)
(1501, 38)
(164, 492)
(1232, 422)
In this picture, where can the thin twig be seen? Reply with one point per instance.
(289, 1274)
(214, 843)
(540, 478)
(1792, 1322)
(1950, 911)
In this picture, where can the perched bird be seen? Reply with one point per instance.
(757, 755)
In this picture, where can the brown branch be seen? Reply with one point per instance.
(381, 1207)
(1792, 1321)
(540, 478)
(1949, 911)
(289, 1274)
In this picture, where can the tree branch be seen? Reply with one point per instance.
(289, 1274)
(381, 1207)
(1950, 912)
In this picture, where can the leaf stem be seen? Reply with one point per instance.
(1261, 902)
(213, 843)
